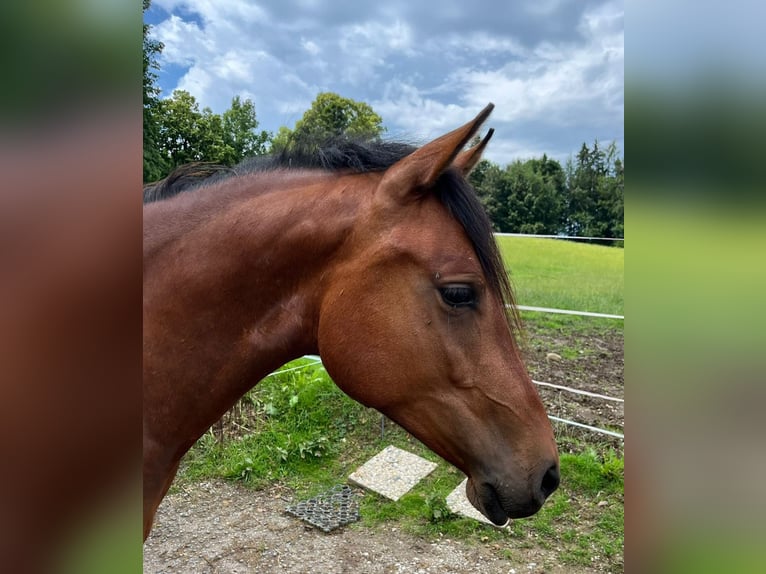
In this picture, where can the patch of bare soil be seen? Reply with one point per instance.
(593, 363)
(219, 527)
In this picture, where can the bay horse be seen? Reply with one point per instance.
(378, 257)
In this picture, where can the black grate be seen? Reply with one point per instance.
(329, 510)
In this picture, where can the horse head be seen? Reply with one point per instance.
(432, 346)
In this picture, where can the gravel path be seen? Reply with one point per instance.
(218, 527)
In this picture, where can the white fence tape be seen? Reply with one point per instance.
(578, 391)
(298, 368)
(594, 429)
(569, 312)
(559, 236)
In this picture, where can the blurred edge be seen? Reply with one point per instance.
(70, 286)
(695, 277)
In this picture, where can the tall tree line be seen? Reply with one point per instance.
(585, 197)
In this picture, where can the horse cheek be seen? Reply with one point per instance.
(355, 341)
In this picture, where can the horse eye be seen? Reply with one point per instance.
(458, 295)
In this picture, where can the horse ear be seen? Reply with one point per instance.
(467, 160)
(411, 175)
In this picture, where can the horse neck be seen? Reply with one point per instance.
(239, 283)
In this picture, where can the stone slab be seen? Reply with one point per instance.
(392, 472)
(458, 502)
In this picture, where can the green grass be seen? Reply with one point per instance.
(587, 473)
(568, 326)
(292, 423)
(565, 275)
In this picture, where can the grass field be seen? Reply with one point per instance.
(300, 429)
(565, 275)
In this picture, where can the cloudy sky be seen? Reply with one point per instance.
(553, 68)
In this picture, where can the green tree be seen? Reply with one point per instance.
(282, 140)
(551, 171)
(582, 191)
(595, 193)
(239, 132)
(182, 128)
(491, 185)
(478, 176)
(155, 164)
(618, 202)
(330, 115)
(612, 193)
(525, 197)
(189, 134)
(539, 196)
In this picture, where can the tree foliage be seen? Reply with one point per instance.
(595, 193)
(525, 197)
(240, 136)
(538, 196)
(330, 115)
(186, 134)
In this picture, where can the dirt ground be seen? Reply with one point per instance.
(220, 527)
(593, 363)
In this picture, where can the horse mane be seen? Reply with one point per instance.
(183, 178)
(361, 156)
(332, 155)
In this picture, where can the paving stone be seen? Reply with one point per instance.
(392, 472)
(458, 503)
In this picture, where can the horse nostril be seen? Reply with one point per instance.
(550, 480)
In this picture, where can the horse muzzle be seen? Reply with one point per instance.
(500, 501)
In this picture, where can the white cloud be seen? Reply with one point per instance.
(196, 81)
(542, 89)
(411, 113)
(365, 48)
(556, 81)
(553, 80)
(478, 42)
(509, 148)
(561, 86)
(176, 34)
(217, 11)
(546, 8)
(310, 47)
